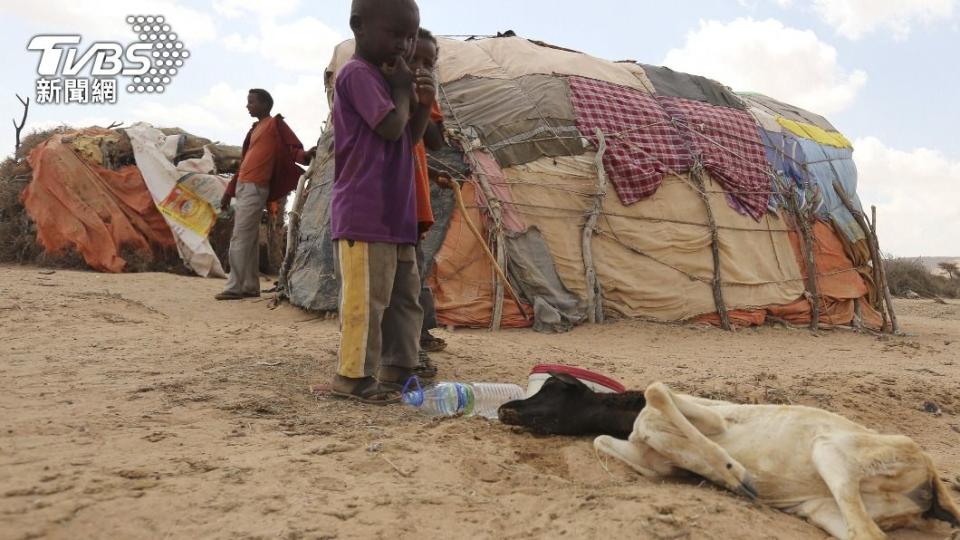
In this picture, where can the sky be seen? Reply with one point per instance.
(882, 71)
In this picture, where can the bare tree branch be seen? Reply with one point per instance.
(114, 125)
(19, 128)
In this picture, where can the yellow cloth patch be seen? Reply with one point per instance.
(814, 133)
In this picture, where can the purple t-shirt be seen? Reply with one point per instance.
(374, 198)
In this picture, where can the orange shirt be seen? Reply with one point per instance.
(422, 177)
(257, 164)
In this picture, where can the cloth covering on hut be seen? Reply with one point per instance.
(522, 118)
(812, 165)
(136, 194)
(188, 200)
(78, 204)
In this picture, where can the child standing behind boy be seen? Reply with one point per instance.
(381, 109)
(425, 57)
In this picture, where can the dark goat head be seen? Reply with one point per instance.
(566, 406)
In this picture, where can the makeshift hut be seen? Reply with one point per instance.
(127, 199)
(617, 189)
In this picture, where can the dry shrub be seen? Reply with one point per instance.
(17, 237)
(37, 136)
(904, 275)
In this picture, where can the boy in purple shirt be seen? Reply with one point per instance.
(380, 110)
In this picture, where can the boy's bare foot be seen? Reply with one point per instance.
(365, 390)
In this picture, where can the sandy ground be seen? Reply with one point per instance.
(134, 406)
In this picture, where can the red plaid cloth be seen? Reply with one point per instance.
(642, 143)
(728, 141)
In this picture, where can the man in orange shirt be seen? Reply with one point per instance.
(268, 172)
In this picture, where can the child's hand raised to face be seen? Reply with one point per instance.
(426, 87)
(398, 74)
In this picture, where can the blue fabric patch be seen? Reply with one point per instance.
(805, 162)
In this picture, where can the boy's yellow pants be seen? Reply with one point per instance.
(380, 313)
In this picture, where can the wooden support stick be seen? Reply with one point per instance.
(697, 174)
(857, 314)
(894, 324)
(806, 233)
(873, 244)
(494, 208)
(878, 278)
(483, 244)
(501, 261)
(594, 290)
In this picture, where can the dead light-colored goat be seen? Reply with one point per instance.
(845, 478)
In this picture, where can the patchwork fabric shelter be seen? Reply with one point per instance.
(136, 193)
(615, 189)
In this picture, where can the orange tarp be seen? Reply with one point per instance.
(838, 281)
(462, 276)
(832, 311)
(96, 211)
(836, 275)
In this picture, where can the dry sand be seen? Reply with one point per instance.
(135, 406)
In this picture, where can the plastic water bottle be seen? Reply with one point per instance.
(451, 398)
